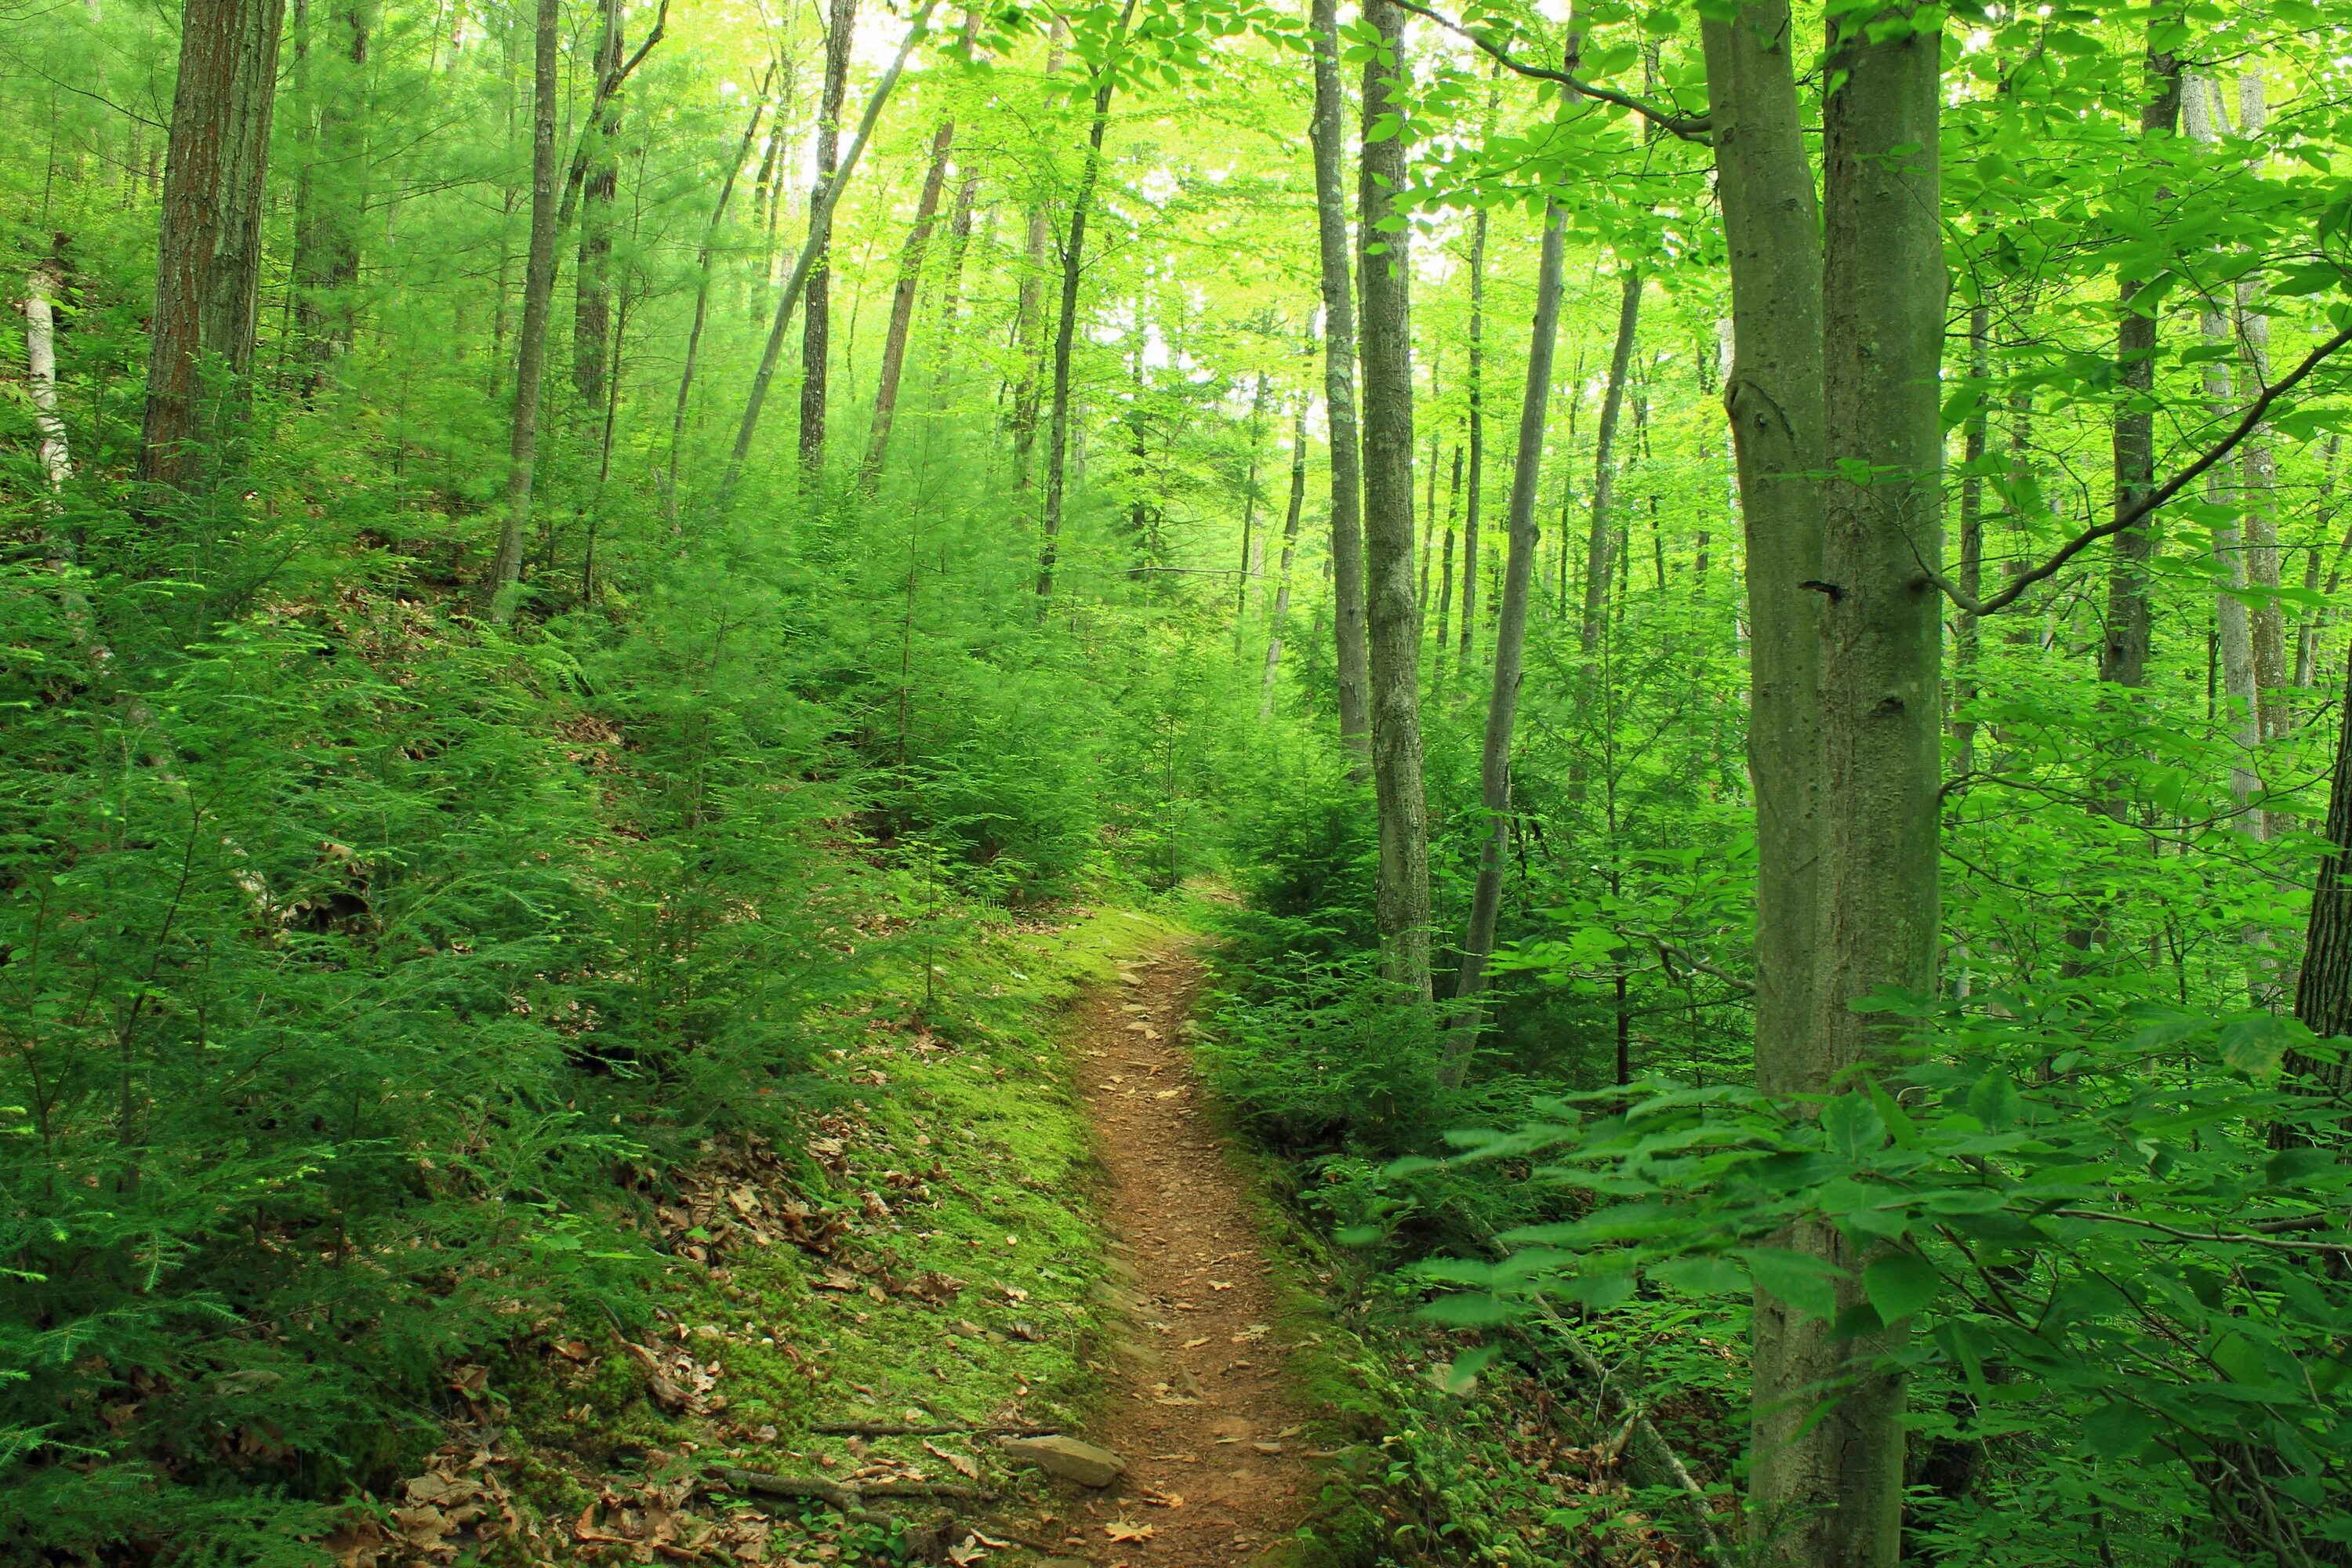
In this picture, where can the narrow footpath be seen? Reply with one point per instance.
(1198, 1406)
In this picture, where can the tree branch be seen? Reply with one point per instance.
(1688, 127)
(607, 90)
(2254, 414)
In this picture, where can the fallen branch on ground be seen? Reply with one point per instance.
(944, 1429)
(844, 1496)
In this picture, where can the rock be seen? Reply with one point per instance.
(1067, 1457)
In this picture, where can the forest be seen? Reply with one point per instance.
(1683, 662)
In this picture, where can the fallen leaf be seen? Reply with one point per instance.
(966, 1551)
(1159, 1498)
(962, 1464)
(1220, 1284)
(1195, 1344)
(1119, 1529)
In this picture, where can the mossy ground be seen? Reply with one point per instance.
(957, 1113)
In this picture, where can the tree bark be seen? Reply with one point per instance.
(2322, 994)
(910, 279)
(1392, 619)
(702, 288)
(1328, 136)
(1883, 289)
(1597, 559)
(1029, 313)
(1058, 425)
(1511, 644)
(1974, 442)
(2123, 656)
(327, 227)
(41, 286)
(1281, 617)
(592, 290)
(1252, 547)
(748, 428)
(208, 265)
(538, 287)
(1445, 576)
(816, 322)
(1474, 504)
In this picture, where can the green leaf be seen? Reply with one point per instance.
(1713, 1275)
(1356, 1235)
(1900, 1284)
(1469, 1311)
(1805, 1282)
(2117, 1431)
(1852, 1125)
(1995, 1101)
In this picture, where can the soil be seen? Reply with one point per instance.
(1198, 1406)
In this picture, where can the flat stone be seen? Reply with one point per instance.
(1069, 1458)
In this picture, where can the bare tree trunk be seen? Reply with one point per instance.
(2123, 656)
(1973, 447)
(327, 226)
(2306, 649)
(1328, 133)
(702, 288)
(910, 279)
(1476, 503)
(592, 290)
(1597, 560)
(41, 287)
(1057, 429)
(2258, 474)
(1510, 645)
(1029, 315)
(1297, 509)
(209, 265)
(538, 291)
(2322, 994)
(1446, 577)
(1837, 1474)
(820, 224)
(1252, 547)
(817, 324)
(1393, 619)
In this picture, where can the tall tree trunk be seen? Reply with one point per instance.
(2257, 475)
(1476, 503)
(1510, 644)
(42, 284)
(820, 224)
(2322, 994)
(1029, 313)
(1393, 619)
(816, 322)
(1329, 135)
(1057, 427)
(326, 228)
(1838, 1472)
(1445, 576)
(910, 279)
(208, 265)
(1597, 560)
(592, 290)
(2123, 656)
(1973, 447)
(1252, 547)
(2306, 649)
(702, 288)
(1297, 509)
(538, 290)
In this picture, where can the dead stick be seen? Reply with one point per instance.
(890, 1429)
(846, 1497)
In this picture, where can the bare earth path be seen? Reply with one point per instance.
(1198, 1406)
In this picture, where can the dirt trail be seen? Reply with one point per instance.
(1198, 1406)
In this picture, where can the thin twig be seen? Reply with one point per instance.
(2245, 1238)
(1690, 128)
(892, 1429)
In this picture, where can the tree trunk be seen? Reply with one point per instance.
(1057, 427)
(326, 228)
(1446, 577)
(538, 288)
(820, 224)
(1392, 619)
(2258, 472)
(1510, 643)
(1252, 547)
(208, 264)
(702, 288)
(592, 290)
(910, 279)
(41, 286)
(2323, 995)
(2307, 650)
(1475, 505)
(1973, 447)
(1029, 314)
(1597, 560)
(1297, 509)
(2123, 656)
(1328, 133)
(816, 323)
(1838, 1472)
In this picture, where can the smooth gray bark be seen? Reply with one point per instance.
(1470, 517)
(1329, 135)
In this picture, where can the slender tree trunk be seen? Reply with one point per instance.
(1252, 547)
(327, 226)
(2258, 476)
(538, 291)
(1837, 1474)
(816, 322)
(1510, 644)
(1597, 560)
(1476, 503)
(1328, 133)
(910, 279)
(1973, 447)
(1297, 509)
(2123, 656)
(209, 265)
(1029, 314)
(1445, 576)
(2307, 651)
(1392, 619)
(1057, 428)
(41, 287)
(592, 290)
(702, 288)
(2322, 994)
(820, 224)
